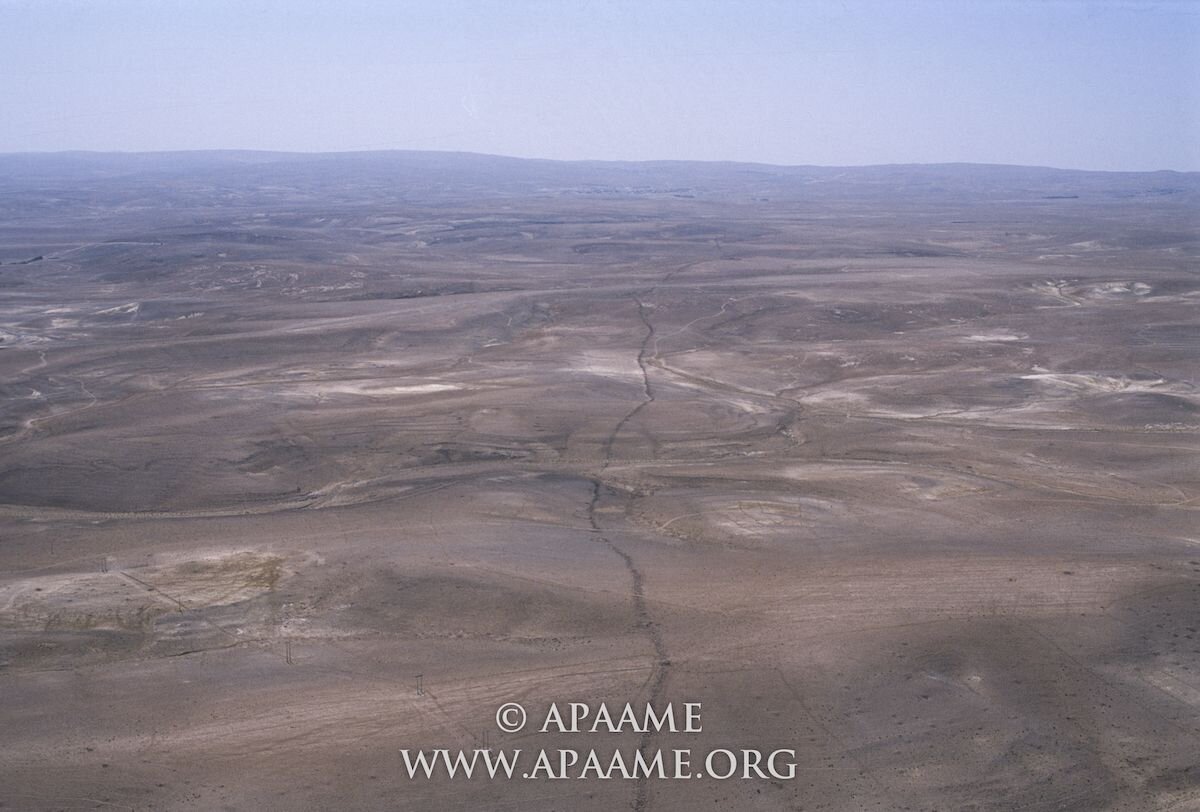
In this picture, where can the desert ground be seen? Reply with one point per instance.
(306, 460)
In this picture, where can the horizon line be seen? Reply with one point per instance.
(612, 161)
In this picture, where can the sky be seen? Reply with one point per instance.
(1072, 84)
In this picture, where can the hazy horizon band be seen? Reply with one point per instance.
(1108, 86)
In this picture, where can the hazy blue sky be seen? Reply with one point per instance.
(1096, 85)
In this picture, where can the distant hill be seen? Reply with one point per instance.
(205, 178)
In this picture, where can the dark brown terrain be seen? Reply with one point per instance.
(893, 466)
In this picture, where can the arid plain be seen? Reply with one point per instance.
(308, 459)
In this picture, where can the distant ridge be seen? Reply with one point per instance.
(274, 156)
(241, 176)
